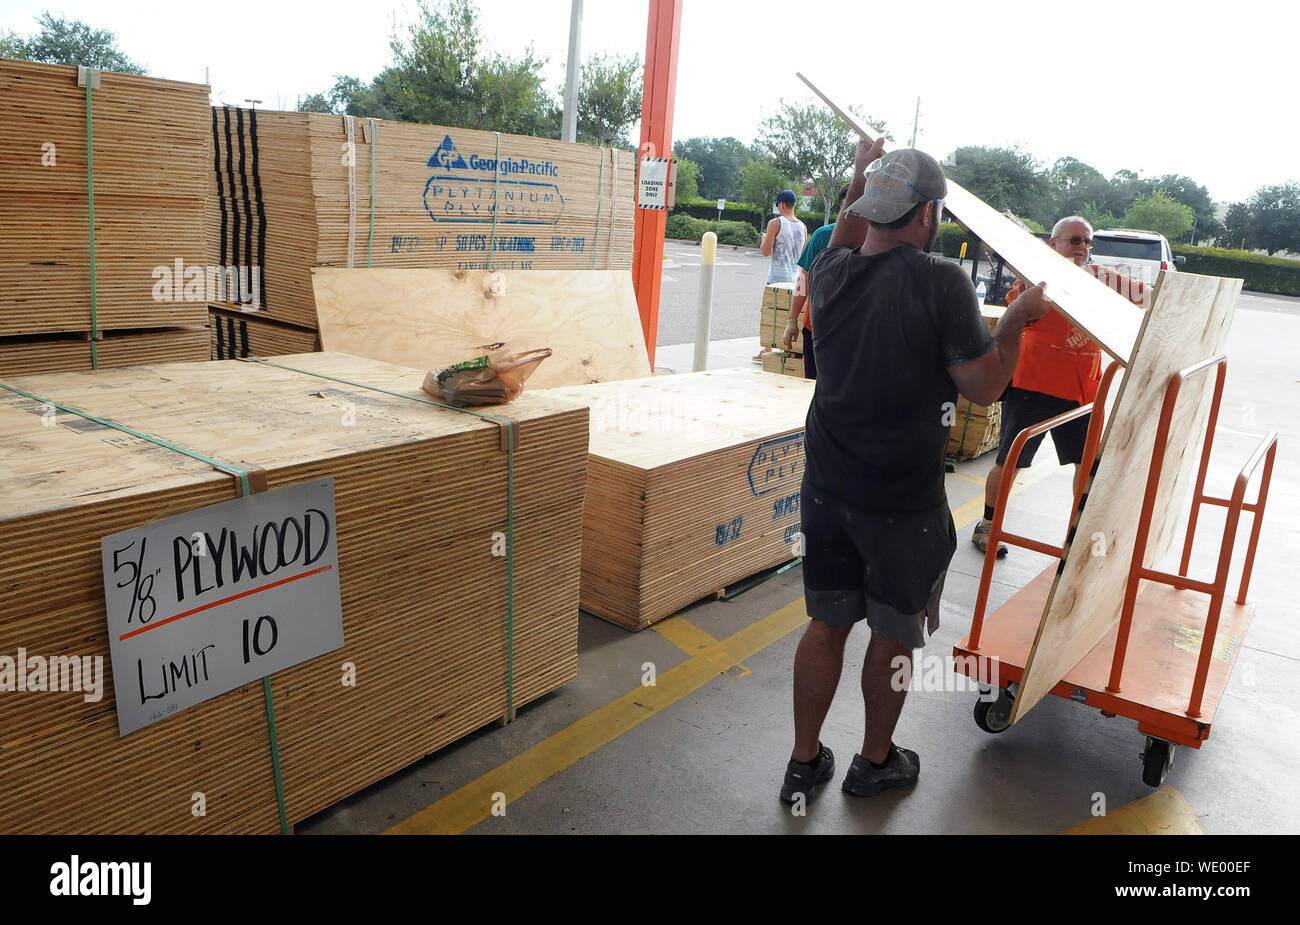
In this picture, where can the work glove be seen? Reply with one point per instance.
(791, 332)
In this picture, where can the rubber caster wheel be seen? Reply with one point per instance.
(1157, 759)
(994, 716)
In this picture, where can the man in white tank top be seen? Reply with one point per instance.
(784, 241)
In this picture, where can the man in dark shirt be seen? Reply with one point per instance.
(898, 333)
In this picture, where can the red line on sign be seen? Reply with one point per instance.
(224, 600)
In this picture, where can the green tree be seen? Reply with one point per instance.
(69, 41)
(1275, 218)
(688, 179)
(1124, 189)
(812, 141)
(720, 161)
(609, 99)
(1161, 213)
(1005, 178)
(352, 96)
(1189, 193)
(760, 181)
(1236, 230)
(1074, 185)
(1098, 218)
(441, 75)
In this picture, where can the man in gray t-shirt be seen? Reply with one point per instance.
(784, 240)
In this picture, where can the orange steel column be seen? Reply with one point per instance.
(660, 89)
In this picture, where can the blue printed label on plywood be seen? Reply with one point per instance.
(481, 189)
(513, 202)
(777, 465)
(447, 157)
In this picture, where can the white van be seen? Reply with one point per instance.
(1139, 254)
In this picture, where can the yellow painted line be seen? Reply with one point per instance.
(973, 509)
(967, 478)
(471, 804)
(1165, 812)
(684, 635)
(463, 809)
(692, 640)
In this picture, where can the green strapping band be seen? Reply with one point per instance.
(245, 491)
(90, 189)
(509, 426)
(600, 186)
(370, 246)
(496, 206)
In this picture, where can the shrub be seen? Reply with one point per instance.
(685, 227)
(951, 236)
(1259, 273)
(740, 233)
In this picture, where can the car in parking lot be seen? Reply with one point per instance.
(1138, 254)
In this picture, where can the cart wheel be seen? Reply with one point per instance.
(994, 716)
(1157, 759)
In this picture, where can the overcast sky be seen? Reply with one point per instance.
(1192, 87)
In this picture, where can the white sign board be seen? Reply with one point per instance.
(722, 204)
(652, 183)
(213, 599)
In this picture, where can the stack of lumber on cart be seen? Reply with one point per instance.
(784, 362)
(777, 299)
(152, 157)
(420, 492)
(976, 428)
(430, 319)
(289, 192)
(693, 484)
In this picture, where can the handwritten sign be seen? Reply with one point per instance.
(213, 599)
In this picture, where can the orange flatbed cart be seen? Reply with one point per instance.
(1167, 661)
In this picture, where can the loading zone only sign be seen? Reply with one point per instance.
(652, 183)
(211, 600)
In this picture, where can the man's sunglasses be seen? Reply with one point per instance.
(1077, 239)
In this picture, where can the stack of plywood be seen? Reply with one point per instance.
(784, 362)
(977, 428)
(151, 160)
(239, 334)
(292, 191)
(420, 492)
(777, 300)
(693, 483)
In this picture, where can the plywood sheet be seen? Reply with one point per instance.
(1188, 322)
(1108, 318)
(429, 319)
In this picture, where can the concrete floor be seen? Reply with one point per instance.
(704, 750)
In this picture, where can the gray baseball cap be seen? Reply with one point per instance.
(897, 182)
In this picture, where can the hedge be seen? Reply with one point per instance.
(692, 229)
(1260, 273)
(753, 216)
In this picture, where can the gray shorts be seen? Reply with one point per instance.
(885, 568)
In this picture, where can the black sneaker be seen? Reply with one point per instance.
(803, 778)
(902, 767)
